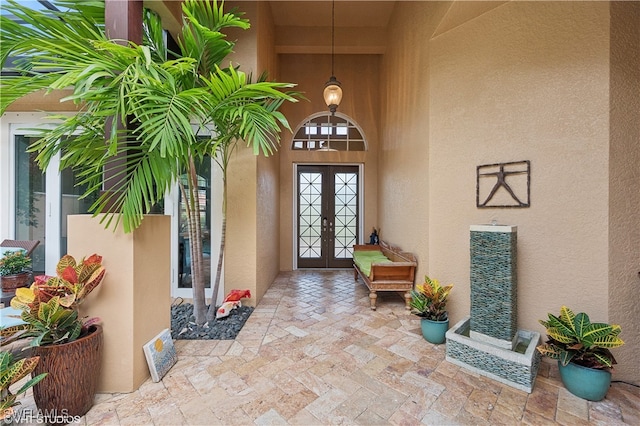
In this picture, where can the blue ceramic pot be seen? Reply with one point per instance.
(588, 383)
(434, 331)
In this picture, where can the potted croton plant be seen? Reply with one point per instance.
(12, 371)
(69, 346)
(429, 302)
(582, 349)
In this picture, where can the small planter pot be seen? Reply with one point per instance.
(587, 383)
(12, 282)
(74, 369)
(434, 331)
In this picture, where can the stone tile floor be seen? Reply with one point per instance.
(313, 353)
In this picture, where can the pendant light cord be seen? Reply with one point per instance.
(333, 19)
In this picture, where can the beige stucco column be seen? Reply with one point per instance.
(134, 300)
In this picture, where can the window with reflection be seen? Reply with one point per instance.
(327, 132)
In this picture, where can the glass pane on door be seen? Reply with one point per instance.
(346, 214)
(203, 170)
(30, 202)
(310, 215)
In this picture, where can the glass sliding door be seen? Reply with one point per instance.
(41, 202)
(30, 207)
(210, 197)
(203, 170)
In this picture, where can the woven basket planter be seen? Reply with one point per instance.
(74, 369)
(12, 282)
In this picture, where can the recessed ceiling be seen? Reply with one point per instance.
(305, 26)
(318, 13)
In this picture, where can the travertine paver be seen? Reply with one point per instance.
(313, 353)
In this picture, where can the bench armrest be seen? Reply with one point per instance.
(367, 247)
(403, 271)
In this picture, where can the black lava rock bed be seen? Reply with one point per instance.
(183, 325)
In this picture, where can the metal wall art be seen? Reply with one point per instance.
(505, 185)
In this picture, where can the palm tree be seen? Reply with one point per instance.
(140, 107)
(222, 159)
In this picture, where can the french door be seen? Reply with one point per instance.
(328, 205)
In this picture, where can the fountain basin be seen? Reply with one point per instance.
(516, 366)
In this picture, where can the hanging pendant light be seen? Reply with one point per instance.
(332, 91)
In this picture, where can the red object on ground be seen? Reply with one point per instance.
(236, 295)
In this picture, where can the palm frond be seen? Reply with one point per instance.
(154, 35)
(212, 16)
(201, 33)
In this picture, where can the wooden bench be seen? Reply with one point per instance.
(395, 274)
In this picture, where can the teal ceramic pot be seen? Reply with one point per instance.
(587, 383)
(434, 331)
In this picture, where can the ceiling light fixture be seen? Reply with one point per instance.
(332, 91)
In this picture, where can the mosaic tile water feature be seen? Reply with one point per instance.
(488, 342)
(494, 283)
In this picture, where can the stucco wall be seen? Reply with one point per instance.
(240, 253)
(268, 173)
(404, 177)
(41, 101)
(526, 81)
(134, 301)
(522, 81)
(359, 76)
(624, 193)
(252, 254)
(240, 250)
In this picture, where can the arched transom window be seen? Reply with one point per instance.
(326, 132)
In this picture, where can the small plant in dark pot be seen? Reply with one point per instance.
(15, 269)
(69, 347)
(582, 349)
(429, 301)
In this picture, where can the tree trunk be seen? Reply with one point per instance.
(195, 245)
(211, 314)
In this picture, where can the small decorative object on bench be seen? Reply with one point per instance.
(384, 268)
